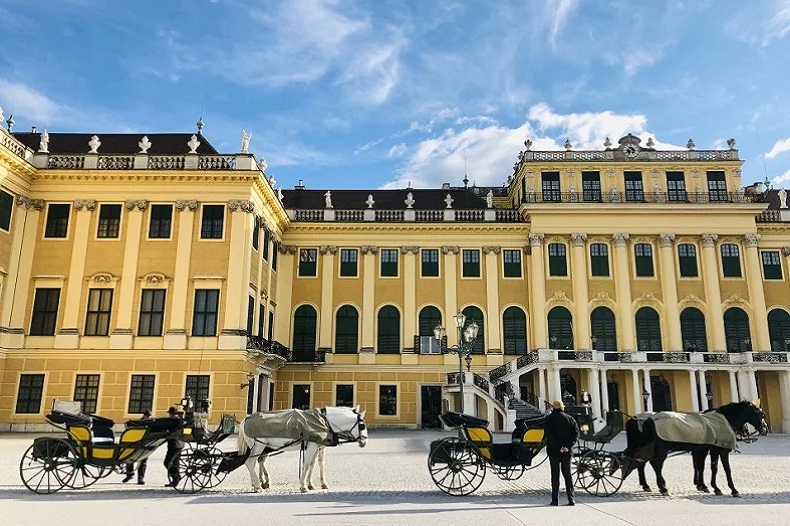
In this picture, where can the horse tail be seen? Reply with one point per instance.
(242, 444)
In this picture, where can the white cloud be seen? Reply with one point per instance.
(778, 181)
(779, 25)
(780, 146)
(561, 10)
(399, 150)
(36, 106)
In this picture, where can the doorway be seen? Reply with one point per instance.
(662, 396)
(614, 396)
(301, 398)
(431, 398)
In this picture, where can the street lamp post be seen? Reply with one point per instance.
(467, 336)
(645, 397)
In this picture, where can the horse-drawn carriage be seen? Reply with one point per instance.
(89, 451)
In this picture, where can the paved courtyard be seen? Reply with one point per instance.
(388, 483)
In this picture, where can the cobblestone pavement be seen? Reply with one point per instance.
(388, 483)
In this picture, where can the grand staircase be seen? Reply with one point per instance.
(523, 409)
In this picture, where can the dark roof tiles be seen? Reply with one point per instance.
(116, 143)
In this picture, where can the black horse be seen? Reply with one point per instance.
(646, 446)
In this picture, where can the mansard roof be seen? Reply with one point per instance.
(116, 143)
(424, 199)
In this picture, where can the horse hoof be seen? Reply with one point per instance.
(256, 489)
(646, 488)
(717, 492)
(736, 494)
(665, 492)
(703, 489)
(304, 490)
(310, 487)
(324, 486)
(265, 486)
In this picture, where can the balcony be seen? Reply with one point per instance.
(275, 348)
(309, 356)
(632, 197)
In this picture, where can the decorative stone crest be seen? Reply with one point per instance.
(287, 249)
(751, 240)
(731, 144)
(193, 144)
(140, 204)
(370, 202)
(709, 240)
(190, 204)
(620, 239)
(578, 238)
(487, 249)
(568, 146)
(786, 251)
(666, 240)
(144, 144)
(735, 298)
(527, 250)
(35, 204)
(536, 239)
(155, 278)
(409, 249)
(650, 142)
(449, 200)
(614, 195)
(242, 205)
(103, 277)
(646, 297)
(369, 249)
(88, 204)
(94, 144)
(328, 249)
(446, 249)
(691, 298)
(607, 143)
(690, 145)
(528, 144)
(602, 297)
(558, 297)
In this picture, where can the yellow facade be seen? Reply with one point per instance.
(571, 236)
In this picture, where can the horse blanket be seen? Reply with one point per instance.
(306, 425)
(692, 428)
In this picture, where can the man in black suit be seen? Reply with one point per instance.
(561, 434)
(174, 447)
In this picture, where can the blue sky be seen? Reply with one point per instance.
(367, 94)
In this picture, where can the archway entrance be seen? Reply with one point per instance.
(662, 395)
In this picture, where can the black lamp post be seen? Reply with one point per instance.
(645, 397)
(467, 336)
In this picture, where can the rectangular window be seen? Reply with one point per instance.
(551, 187)
(86, 391)
(141, 393)
(599, 259)
(430, 262)
(45, 312)
(471, 263)
(344, 395)
(197, 387)
(676, 186)
(109, 222)
(388, 400)
(250, 314)
(717, 187)
(97, 322)
(687, 261)
(591, 187)
(212, 222)
(634, 190)
(512, 261)
(266, 237)
(31, 389)
(152, 312)
(389, 262)
(772, 264)
(270, 327)
(57, 220)
(261, 318)
(348, 262)
(256, 232)
(558, 264)
(204, 318)
(275, 253)
(307, 262)
(161, 222)
(643, 257)
(730, 261)
(6, 208)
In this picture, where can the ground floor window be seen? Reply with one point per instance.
(31, 389)
(141, 393)
(388, 400)
(86, 391)
(344, 395)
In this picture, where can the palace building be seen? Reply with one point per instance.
(135, 270)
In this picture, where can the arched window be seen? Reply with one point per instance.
(602, 329)
(473, 313)
(430, 317)
(648, 330)
(736, 329)
(779, 330)
(304, 334)
(389, 331)
(514, 330)
(560, 328)
(346, 330)
(692, 330)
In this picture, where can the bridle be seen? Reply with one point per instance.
(744, 434)
(346, 436)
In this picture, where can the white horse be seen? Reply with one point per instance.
(346, 424)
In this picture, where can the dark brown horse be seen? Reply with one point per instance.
(645, 445)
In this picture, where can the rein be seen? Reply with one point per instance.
(344, 437)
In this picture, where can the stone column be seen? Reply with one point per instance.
(368, 342)
(693, 390)
(594, 389)
(493, 325)
(734, 397)
(555, 387)
(703, 391)
(450, 254)
(581, 321)
(604, 392)
(121, 335)
(674, 338)
(68, 336)
(409, 324)
(754, 282)
(636, 391)
(538, 286)
(541, 386)
(622, 283)
(233, 332)
(710, 279)
(648, 386)
(176, 336)
(784, 391)
(751, 381)
(327, 279)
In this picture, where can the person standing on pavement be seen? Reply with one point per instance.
(143, 463)
(561, 434)
(174, 447)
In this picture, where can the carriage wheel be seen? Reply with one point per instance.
(87, 475)
(206, 461)
(192, 477)
(456, 467)
(578, 452)
(48, 465)
(599, 473)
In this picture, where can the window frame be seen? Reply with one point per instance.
(3, 201)
(388, 348)
(727, 268)
(345, 266)
(53, 231)
(94, 318)
(197, 380)
(468, 266)
(143, 389)
(517, 265)
(108, 227)
(87, 390)
(151, 313)
(717, 186)
(591, 186)
(266, 239)
(256, 232)
(202, 333)
(379, 405)
(392, 267)
(153, 220)
(28, 400)
(557, 261)
(601, 259)
(46, 313)
(676, 186)
(637, 194)
(551, 187)
(423, 252)
(212, 226)
(512, 332)
(346, 337)
(304, 265)
(353, 394)
(641, 261)
(694, 258)
(776, 265)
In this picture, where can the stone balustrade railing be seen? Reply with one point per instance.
(408, 215)
(649, 155)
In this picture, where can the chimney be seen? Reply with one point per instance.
(445, 186)
(299, 185)
(32, 129)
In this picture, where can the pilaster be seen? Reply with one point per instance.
(327, 279)
(754, 283)
(121, 336)
(232, 334)
(581, 319)
(710, 280)
(283, 314)
(176, 336)
(450, 292)
(538, 287)
(368, 317)
(622, 283)
(669, 289)
(493, 327)
(409, 324)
